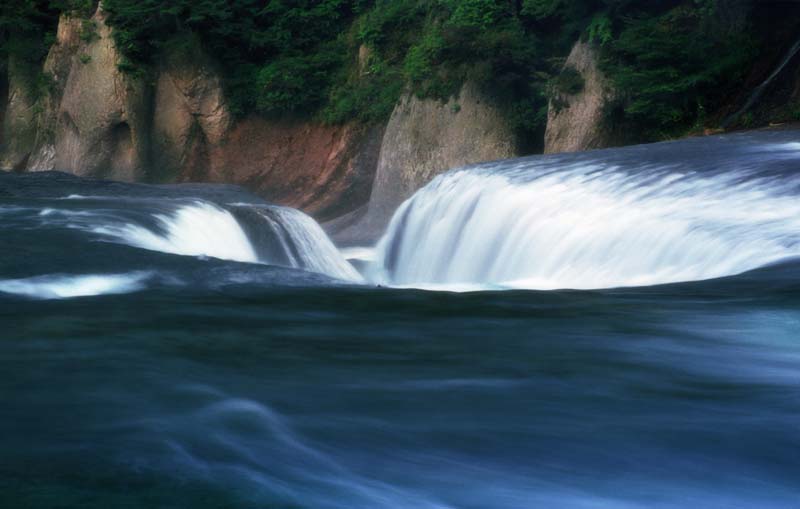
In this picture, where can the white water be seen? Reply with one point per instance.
(200, 229)
(64, 287)
(204, 229)
(314, 250)
(588, 224)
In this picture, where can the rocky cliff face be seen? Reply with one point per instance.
(578, 119)
(424, 138)
(325, 170)
(19, 129)
(190, 118)
(94, 120)
(176, 126)
(102, 125)
(89, 120)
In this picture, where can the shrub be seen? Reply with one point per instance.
(568, 82)
(88, 31)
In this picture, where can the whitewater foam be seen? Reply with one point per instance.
(68, 286)
(310, 248)
(205, 229)
(587, 223)
(200, 229)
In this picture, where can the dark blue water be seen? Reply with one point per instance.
(175, 381)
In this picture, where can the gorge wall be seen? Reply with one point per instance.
(176, 125)
(96, 121)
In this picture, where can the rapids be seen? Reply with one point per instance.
(652, 214)
(194, 347)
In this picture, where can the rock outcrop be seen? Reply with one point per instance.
(94, 120)
(324, 170)
(424, 138)
(91, 118)
(190, 117)
(578, 119)
(19, 120)
(57, 68)
(102, 126)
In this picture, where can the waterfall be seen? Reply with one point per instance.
(285, 236)
(670, 212)
(251, 233)
(199, 229)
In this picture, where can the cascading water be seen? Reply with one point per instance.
(672, 212)
(286, 236)
(242, 232)
(200, 229)
(281, 236)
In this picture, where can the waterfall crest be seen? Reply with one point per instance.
(288, 237)
(254, 233)
(673, 212)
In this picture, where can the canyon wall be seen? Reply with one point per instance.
(175, 125)
(94, 120)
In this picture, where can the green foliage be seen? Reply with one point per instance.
(88, 31)
(369, 97)
(423, 59)
(27, 29)
(84, 58)
(671, 59)
(476, 14)
(279, 56)
(568, 82)
(794, 112)
(83, 8)
(600, 30)
(670, 67)
(297, 83)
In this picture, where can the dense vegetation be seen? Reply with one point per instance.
(341, 60)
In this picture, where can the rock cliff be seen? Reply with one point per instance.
(325, 170)
(424, 138)
(577, 118)
(175, 125)
(94, 120)
(89, 119)
(19, 129)
(102, 128)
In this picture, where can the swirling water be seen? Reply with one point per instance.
(193, 347)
